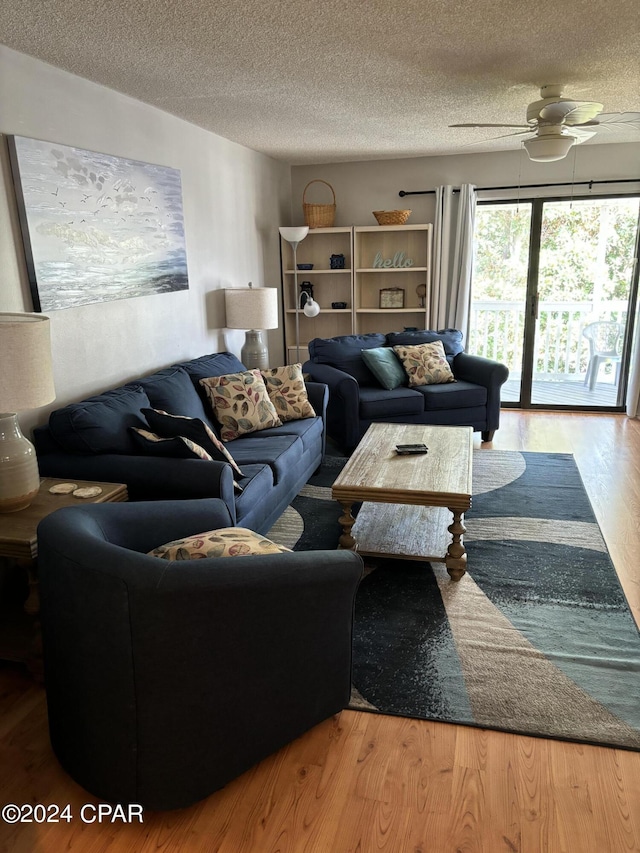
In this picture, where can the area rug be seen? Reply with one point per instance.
(537, 638)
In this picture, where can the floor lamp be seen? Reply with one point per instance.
(294, 235)
(26, 382)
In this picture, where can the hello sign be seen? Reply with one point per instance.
(399, 261)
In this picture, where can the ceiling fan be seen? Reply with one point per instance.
(558, 123)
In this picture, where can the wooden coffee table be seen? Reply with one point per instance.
(408, 500)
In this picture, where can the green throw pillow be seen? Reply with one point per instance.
(385, 366)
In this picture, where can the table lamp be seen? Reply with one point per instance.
(26, 382)
(294, 234)
(254, 309)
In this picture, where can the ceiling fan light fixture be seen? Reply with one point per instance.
(545, 149)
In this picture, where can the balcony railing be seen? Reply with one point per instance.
(561, 350)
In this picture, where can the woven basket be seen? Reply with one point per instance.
(319, 215)
(391, 217)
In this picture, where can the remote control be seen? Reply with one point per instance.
(409, 449)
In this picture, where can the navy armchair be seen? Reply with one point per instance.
(165, 679)
(357, 399)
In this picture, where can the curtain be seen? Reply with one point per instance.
(453, 258)
(633, 388)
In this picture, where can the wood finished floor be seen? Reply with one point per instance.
(364, 783)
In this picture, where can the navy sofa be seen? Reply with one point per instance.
(357, 399)
(90, 440)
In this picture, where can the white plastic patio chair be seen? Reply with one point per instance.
(605, 344)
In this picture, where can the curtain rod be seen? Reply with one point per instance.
(589, 184)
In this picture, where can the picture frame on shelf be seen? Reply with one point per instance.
(392, 297)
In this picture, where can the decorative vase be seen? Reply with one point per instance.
(255, 352)
(19, 476)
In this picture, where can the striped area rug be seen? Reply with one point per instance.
(537, 638)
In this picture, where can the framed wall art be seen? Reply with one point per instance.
(392, 297)
(96, 227)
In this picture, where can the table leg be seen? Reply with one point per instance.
(32, 604)
(456, 557)
(347, 521)
(20, 637)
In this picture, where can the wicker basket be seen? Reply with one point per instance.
(391, 217)
(319, 215)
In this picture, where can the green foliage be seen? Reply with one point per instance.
(586, 250)
(586, 256)
(501, 251)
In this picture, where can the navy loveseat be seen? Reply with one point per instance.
(357, 399)
(91, 440)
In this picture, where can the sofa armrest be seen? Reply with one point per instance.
(338, 381)
(483, 371)
(147, 477)
(343, 409)
(140, 526)
(318, 394)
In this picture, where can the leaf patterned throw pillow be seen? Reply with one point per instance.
(240, 403)
(288, 393)
(224, 542)
(425, 364)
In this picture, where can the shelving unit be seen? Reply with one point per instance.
(328, 286)
(359, 283)
(406, 249)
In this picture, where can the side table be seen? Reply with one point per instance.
(19, 623)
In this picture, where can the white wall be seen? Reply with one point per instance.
(362, 187)
(234, 199)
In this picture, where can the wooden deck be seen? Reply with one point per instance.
(571, 392)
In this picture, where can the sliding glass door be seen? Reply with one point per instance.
(552, 288)
(500, 285)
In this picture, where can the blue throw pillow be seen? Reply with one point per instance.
(215, 364)
(100, 424)
(179, 426)
(172, 390)
(451, 339)
(178, 447)
(345, 353)
(385, 366)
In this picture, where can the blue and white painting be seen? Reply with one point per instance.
(97, 227)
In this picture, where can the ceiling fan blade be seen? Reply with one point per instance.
(490, 125)
(583, 113)
(502, 136)
(507, 135)
(605, 119)
(580, 135)
(570, 112)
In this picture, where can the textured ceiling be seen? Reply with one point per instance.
(339, 80)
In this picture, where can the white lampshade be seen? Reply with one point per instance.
(26, 382)
(26, 376)
(311, 308)
(294, 233)
(251, 308)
